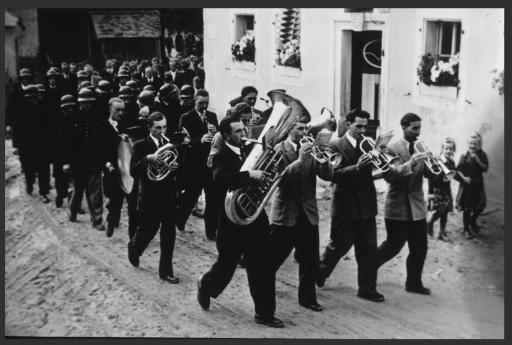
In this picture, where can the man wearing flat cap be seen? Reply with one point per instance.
(168, 104)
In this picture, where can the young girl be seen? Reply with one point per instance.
(471, 197)
(440, 192)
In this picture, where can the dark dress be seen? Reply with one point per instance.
(472, 196)
(441, 191)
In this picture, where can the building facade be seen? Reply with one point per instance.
(369, 58)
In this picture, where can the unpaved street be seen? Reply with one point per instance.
(67, 279)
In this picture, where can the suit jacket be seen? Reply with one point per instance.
(77, 141)
(69, 84)
(296, 189)
(228, 177)
(405, 185)
(178, 80)
(152, 194)
(105, 144)
(156, 82)
(354, 195)
(198, 152)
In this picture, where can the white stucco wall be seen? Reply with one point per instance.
(479, 106)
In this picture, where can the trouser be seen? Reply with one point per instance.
(116, 196)
(254, 242)
(35, 165)
(88, 180)
(443, 218)
(304, 237)
(469, 217)
(399, 232)
(61, 180)
(362, 234)
(189, 197)
(153, 217)
(133, 213)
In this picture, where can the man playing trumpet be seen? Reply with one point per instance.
(354, 207)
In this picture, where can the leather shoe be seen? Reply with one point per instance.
(373, 296)
(99, 227)
(269, 322)
(81, 211)
(132, 256)
(29, 189)
(44, 198)
(202, 297)
(72, 217)
(59, 201)
(110, 230)
(180, 227)
(320, 281)
(419, 290)
(170, 279)
(313, 306)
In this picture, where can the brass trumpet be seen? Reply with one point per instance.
(434, 163)
(380, 159)
(319, 153)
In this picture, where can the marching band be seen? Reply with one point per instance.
(157, 145)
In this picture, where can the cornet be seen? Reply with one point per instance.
(159, 170)
(380, 159)
(434, 163)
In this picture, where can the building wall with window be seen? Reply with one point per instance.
(446, 111)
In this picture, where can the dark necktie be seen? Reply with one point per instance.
(160, 143)
(358, 150)
(298, 148)
(411, 148)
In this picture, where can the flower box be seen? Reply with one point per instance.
(450, 92)
(245, 65)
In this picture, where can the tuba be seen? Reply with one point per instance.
(381, 160)
(244, 205)
(434, 163)
(323, 128)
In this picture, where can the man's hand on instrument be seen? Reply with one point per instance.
(173, 166)
(153, 158)
(212, 128)
(110, 167)
(418, 156)
(305, 150)
(257, 174)
(364, 160)
(207, 138)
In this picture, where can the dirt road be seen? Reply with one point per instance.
(67, 279)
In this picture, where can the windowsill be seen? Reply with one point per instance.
(288, 71)
(449, 92)
(245, 65)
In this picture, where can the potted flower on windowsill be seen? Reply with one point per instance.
(244, 50)
(289, 55)
(439, 76)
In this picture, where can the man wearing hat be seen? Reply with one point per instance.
(122, 77)
(131, 108)
(168, 104)
(133, 85)
(17, 98)
(186, 98)
(66, 114)
(150, 78)
(103, 95)
(108, 72)
(81, 77)
(30, 138)
(85, 170)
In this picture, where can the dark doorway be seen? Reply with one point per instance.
(365, 83)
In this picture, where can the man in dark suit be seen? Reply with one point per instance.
(157, 200)
(169, 105)
(31, 140)
(354, 207)
(69, 81)
(405, 208)
(85, 170)
(294, 212)
(173, 75)
(150, 79)
(200, 125)
(16, 98)
(107, 136)
(252, 240)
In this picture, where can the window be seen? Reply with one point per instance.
(442, 38)
(243, 49)
(356, 10)
(288, 38)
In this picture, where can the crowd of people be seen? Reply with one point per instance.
(73, 126)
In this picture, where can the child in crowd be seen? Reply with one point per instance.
(440, 200)
(471, 199)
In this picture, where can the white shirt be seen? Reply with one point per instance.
(294, 145)
(173, 74)
(351, 140)
(234, 149)
(113, 124)
(156, 140)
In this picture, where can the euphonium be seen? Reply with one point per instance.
(434, 163)
(167, 155)
(324, 128)
(243, 205)
(380, 159)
